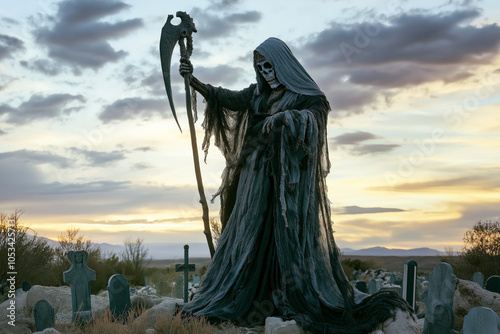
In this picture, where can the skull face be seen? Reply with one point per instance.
(266, 69)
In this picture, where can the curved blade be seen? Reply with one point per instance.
(170, 35)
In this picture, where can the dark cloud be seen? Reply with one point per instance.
(219, 75)
(373, 149)
(223, 4)
(41, 107)
(384, 55)
(353, 138)
(354, 142)
(9, 45)
(44, 66)
(215, 25)
(2, 133)
(35, 158)
(134, 107)
(356, 210)
(96, 158)
(79, 40)
(10, 20)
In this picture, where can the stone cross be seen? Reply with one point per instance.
(493, 284)
(439, 311)
(481, 320)
(119, 296)
(478, 278)
(410, 282)
(186, 268)
(43, 313)
(79, 277)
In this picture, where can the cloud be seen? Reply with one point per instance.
(44, 66)
(134, 107)
(41, 107)
(356, 210)
(97, 158)
(353, 138)
(36, 158)
(354, 142)
(479, 180)
(211, 26)
(373, 149)
(9, 45)
(79, 40)
(2, 132)
(374, 57)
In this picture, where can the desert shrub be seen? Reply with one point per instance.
(349, 265)
(32, 254)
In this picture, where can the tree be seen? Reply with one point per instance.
(481, 251)
(136, 258)
(29, 255)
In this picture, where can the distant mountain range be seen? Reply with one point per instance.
(164, 251)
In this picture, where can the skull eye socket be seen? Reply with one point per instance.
(267, 65)
(264, 66)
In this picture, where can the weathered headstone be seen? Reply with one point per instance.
(392, 278)
(43, 313)
(119, 296)
(186, 268)
(361, 286)
(79, 277)
(196, 280)
(493, 284)
(179, 287)
(410, 282)
(162, 288)
(439, 311)
(25, 286)
(374, 285)
(478, 278)
(481, 320)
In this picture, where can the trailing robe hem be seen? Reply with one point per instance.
(277, 255)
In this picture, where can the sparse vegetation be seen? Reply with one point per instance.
(481, 251)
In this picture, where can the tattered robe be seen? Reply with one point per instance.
(277, 255)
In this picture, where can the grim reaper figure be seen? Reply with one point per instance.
(277, 255)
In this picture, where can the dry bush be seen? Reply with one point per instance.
(179, 324)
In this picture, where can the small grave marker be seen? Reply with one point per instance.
(186, 268)
(43, 313)
(439, 311)
(361, 286)
(119, 296)
(493, 284)
(79, 277)
(481, 320)
(478, 278)
(25, 286)
(410, 282)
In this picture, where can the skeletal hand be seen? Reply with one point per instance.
(270, 122)
(185, 67)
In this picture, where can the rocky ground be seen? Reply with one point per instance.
(467, 296)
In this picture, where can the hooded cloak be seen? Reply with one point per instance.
(277, 255)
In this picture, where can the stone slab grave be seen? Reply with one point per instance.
(481, 320)
(439, 315)
(478, 278)
(410, 282)
(43, 313)
(493, 284)
(119, 296)
(79, 277)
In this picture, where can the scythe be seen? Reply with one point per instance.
(170, 36)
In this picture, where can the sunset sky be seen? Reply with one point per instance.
(88, 140)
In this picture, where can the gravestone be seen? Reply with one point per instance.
(478, 278)
(186, 268)
(374, 285)
(179, 287)
(439, 311)
(43, 313)
(356, 274)
(119, 296)
(162, 288)
(481, 320)
(410, 282)
(493, 284)
(79, 277)
(196, 280)
(361, 286)
(392, 279)
(25, 286)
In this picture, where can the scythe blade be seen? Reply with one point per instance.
(170, 35)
